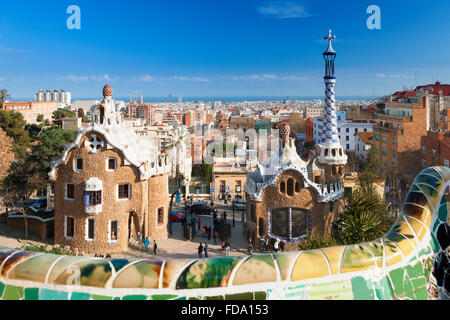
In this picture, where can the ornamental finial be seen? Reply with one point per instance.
(330, 37)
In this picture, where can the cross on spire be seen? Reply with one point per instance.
(330, 37)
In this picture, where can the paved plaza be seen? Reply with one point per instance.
(176, 247)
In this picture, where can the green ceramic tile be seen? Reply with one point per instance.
(98, 297)
(261, 295)
(80, 296)
(435, 244)
(443, 210)
(32, 294)
(422, 294)
(164, 296)
(240, 296)
(135, 297)
(2, 286)
(397, 281)
(215, 298)
(362, 289)
(383, 289)
(415, 271)
(45, 294)
(13, 293)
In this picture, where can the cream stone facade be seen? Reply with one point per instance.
(111, 187)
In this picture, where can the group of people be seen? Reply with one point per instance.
(202, 249)
(277, 245)
(108, 256)
(207, 231)
(224, 197)
(147, 243)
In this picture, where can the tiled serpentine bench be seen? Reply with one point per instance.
(398, 266)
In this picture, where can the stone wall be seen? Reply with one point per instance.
(158, 197)
(36, 226)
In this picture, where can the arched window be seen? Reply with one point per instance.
(102, 114)
(290, 187)
(282, 187)
(261, 227)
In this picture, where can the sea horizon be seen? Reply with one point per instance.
(224, 98)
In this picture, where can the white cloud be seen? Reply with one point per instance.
(263, 77)
(193, 79)
(12, 50)
(393, 76)
(283, 9)
(2, 79)
(147, 78)
(78, 79)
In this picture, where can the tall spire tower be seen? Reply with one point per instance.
(330, 150)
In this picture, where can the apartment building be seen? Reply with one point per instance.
(32, 109)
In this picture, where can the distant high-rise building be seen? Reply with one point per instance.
(62, 97)
(170, 98)
(180, 98)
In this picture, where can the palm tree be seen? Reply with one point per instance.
(176, 141)
(360, 222)
(4, 95)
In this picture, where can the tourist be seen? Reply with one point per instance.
(200, 251)
(209, 233)
(146, 244)
(282, 246)
(266, 246)
(262, 244)
(108, 256)
(155, 246)
(276, 246)
(250, 248)
(204, 232)
(227, 248)
(206, 249)
(199, 222)
(225, 216)
(215, 236)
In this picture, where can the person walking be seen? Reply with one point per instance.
(262, 244)
(146, 244)
(215, 236)
(250, 248)
(205, 249)
(225, 216)
(276, 246)
(204, 233)
(200, 251)
(199, 222)
(209, 233)
(227, 248)
(155, 246)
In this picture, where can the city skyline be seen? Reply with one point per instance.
(224, 49)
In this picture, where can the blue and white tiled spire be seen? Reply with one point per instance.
(330, 149)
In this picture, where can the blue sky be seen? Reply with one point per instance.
(221, 48)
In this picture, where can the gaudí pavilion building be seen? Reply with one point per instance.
(111, 186)
(289, 198)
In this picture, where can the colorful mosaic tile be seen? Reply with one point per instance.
(398, 266)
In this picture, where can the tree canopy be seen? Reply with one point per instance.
(13, 124)
(60, 114)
